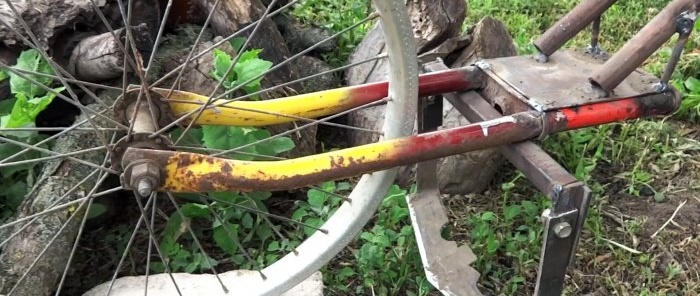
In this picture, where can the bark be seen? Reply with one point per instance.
(431, 27)
(43, 17)
(58, 178)
(300, 37)
(436, 25)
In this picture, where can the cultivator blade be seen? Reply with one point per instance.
(447, 265)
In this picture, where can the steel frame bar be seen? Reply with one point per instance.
(568, 26)
(190, 172)
(642, 45)
(570, 198)
(311, 105)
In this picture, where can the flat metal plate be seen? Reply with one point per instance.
(562, 81)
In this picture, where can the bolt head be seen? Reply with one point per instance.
(563, 229)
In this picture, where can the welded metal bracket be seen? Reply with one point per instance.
(570, 198)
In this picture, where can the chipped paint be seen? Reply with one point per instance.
(494, 122)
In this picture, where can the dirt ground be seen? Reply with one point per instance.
(665, 263)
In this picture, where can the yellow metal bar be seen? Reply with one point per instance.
(260, 113)
(192, 172)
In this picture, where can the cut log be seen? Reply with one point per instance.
(100, 57)
(43, 17)
(431, 27)
(57, 178)
(472, 172)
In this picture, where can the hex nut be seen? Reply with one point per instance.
(144, 170)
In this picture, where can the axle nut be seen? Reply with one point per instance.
(145, 177)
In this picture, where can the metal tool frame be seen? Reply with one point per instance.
(509, 90)
(508, 105)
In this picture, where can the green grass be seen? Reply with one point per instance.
(642, 156)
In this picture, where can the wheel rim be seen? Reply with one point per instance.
(365, 198)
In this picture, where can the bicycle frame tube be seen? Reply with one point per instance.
(191, 172)
(311, 105)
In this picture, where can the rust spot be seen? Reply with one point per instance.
(226, 168)
(183, 161)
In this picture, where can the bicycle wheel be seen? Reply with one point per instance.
(67, 161)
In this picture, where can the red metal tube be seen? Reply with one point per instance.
(433, 83)
(612, 111)
(642, 45)
(569, 25)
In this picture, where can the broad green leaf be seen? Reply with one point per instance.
(223, 137)
(7, 150)
(488, 216)
(273, 246)
(222, 61)
(247, 221)
(193, 138)
(30, 60)
(96, 210)
(226, 198)
(13, 194)
(251, 69)
(3, 75)
(314, 222)
(299, 214)
(174, 229)
(226, 242)
(316, 198)
(693, 84)
(237, 43)
(6, 105)
(26, 109)
(511, 212)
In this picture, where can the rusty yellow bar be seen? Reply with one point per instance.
(261, 113)
(191, 172)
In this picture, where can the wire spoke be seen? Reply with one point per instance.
(41, 159)
(44, 141)
(258, 211)
(149, 252)
(220, 42)
(73, 101)
(59, 207)
(228, 70)
(128, 246)
(74, 248)
(58, 154)
(71, 80)
(231, 237)
(197, 242)
(300, 118)
(58, 233)
(208, 104)
(152, 234)
(296, 56)
(291, 131)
